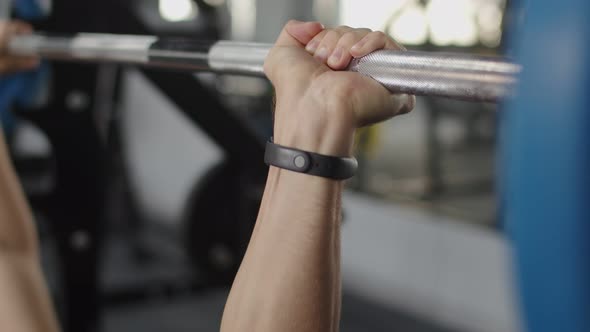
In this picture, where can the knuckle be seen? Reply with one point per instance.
(320, 36)
(378, 34)
(343, 28)
(361, 33)
(349, 36)
(330, 39)
(332, 35)
(291, 22)
(269, 62)
(266, 68)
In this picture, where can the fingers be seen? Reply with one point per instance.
(297, 33)
(406, 103)
(6, 30)
(12, 28)
(373, 41)
(21, 27)
(331, 46)
(9, 64)
(290, 61)
(336, 47)
(324, 43)
(341, 56)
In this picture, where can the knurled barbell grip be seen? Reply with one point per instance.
(451, 75)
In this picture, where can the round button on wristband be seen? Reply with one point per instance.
(337, 168)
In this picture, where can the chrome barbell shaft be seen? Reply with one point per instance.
(451, 75)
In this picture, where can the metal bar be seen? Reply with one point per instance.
(457, 76)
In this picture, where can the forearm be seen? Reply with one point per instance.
(17, 232)
(290, 274)
(25, 305)
(24, 302)
(289, 279)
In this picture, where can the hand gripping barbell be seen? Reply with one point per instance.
(452, 75)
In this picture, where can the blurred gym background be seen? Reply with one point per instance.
(125, 168)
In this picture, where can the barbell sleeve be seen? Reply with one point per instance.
(452, 75)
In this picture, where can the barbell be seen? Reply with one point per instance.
(452, 75)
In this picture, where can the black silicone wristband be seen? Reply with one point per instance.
(311, 163)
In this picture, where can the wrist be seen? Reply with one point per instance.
(322, 127)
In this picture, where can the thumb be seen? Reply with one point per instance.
(297, 33)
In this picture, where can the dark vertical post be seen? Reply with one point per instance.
(75, 207)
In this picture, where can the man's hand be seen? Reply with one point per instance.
(315, 97)
(289, 279)
(11, 64)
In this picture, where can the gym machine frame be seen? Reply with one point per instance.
(76, 203)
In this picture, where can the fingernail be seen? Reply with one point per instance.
(322, 53)
(318, 23)
(312, 45)
(336, 55)
(406, 103)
